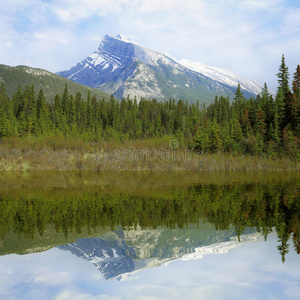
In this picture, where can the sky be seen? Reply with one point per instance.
(247, 37)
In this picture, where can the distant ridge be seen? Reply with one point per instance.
(52, 84)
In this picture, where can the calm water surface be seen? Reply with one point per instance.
(72, 235)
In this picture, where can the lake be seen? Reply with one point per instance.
(149, 235)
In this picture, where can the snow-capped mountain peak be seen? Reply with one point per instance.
(124, 38)
(122, 67)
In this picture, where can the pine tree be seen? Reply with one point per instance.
(226, 138)
(29, 114)
(43, 116)
(245, 122)
(280, 108)
(239, 96)
(8, 126)
(276, 129)
(296, 83)
(79, 112)
(57, 113)
(104, 113)
(215, 137)
(264, 96)
(112, 111)
(267, 104)
(89, 117)
(239, 101)
(260, 124)
(201, 142)
(236, 129)
(295, 104)
(259, 144)
(18, 102)
(283, 76)
(65, 100)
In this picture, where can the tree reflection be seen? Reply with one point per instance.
(261, 206)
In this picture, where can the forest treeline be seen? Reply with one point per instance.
(265, 124)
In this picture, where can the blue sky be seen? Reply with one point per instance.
(247, 37)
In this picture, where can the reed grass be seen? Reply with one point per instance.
(59, 153)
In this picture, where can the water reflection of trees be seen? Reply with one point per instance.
(264, 207)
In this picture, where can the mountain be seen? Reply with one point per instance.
(51, 83)
(122, 67)
(120, 253)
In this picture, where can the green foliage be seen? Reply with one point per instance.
(50, 83)
(254, 126)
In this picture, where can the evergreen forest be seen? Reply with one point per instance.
(265, 124)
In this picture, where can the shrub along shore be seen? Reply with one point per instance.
(166, 153)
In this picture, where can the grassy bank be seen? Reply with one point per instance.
(58, 153)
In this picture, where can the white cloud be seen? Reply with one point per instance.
(40, 36)
(150, 6)
(254, 5)
(75, 294)
(63, 14)
(292, 22)
(234, 34)
(53, 278)
(79, 10)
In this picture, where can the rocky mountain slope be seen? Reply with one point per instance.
(122, 67)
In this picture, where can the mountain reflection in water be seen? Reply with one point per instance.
(120, 253)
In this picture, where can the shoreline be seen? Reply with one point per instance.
(141, 155)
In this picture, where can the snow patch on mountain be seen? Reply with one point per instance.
(223, 247)
(105, 60)
(124, 38)
(37, 72)
(222, 75)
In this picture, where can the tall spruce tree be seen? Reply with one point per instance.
(43, 117)
(295, 105)
(283, 76)
(239, 101)
(296, 83)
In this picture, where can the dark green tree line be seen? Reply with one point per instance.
(264, 124)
